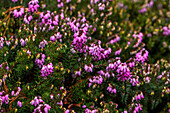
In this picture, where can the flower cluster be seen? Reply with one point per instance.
(121, 68)
(131, 62)
(14, 1)
(142, 56)
(139, 39)
(42, 44)
(114, 40)
(42, 107)
(166, 31)
(47, 70)
(111, 89)
(60, 4)
(40, 62)
(3, 98)
(19, 13)
(68, 111)
(23, 42)
(46, 18)
(56, 36)
(49, 19)
(136, 107)
(135, 81)
(36, 101)
(146, 79)
(148, 5)
(106, 75)
(118, 52)
(90, 111)
(17, 92)
(1, 42)
(138, 97)
(88, 68)
(98, 52)
(19, 103)
(27, 18)
(96, 79)
(123, 72)
(114, 65)
(80, 34)
(101, 6)
(33, 5)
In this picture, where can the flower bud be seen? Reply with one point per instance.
(61, 68)
(26, 67)
(16, 110)
(152, 93)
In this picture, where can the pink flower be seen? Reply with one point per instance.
(84, 106)
(60, 103)
(101, 6)
(78, 73)
(143, 10)
(96, 79)
(118, 52)
(107, 75)
(19, 103)
(109, 88)
(33, 5)
(147, 79)
(52, 38)
(52, 96)
(88, 68)
(29, 52)
(47, 70)
(14, 1)
(27, 19)
(18, 13)
(36, 101)
(23, 42)
(12, 93)
(42, 44)
(47, 107)
(114, 90)
(125, 112)
(142, 56)
(1, 42)
(67, 111)
(87, 110)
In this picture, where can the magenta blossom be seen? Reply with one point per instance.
(42, 44)
(88, 68)
(33, 5)
(47, 70)
(14, 1)
(19, 103)
(18, 13)
(142, 56)
(1, 42)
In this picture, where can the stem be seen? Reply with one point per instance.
(125, 93)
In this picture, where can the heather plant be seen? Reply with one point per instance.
(91, 56)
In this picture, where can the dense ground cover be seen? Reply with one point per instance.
(92, 56)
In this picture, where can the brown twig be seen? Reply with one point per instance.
(13, 99)
(8, 17)
(7, 25)
(73, 105)
(11, 9)
(5, 88)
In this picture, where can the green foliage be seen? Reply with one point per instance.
(70, 86)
